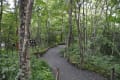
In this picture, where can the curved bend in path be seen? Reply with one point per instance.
(67, 71)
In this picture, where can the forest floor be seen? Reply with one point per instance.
(67, 71)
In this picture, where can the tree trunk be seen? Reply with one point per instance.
(1, 12)
(24, 56)
(70, 34)
(77, 16)
(38, 37)
(48, 32)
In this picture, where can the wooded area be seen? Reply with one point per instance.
(90, 30)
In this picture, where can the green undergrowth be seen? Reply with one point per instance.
(41, 51)
(9, 67)
(98, 63)
(40, 70)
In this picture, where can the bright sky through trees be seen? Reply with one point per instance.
(11, 2)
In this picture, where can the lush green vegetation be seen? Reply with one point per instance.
(40, 70)
(93, 42)
(10, 66)
(90, 29)
(44, 37)
(100, 63)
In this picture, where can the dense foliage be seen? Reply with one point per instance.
(100, 63)
(90, 29)
(9, 67)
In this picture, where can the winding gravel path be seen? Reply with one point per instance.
(67, 71)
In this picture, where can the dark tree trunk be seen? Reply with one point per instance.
(77, 15)
(1, 13)
(70, 34)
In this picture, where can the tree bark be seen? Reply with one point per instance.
(1, 13)
(38, 37)
(70, 34)
(77, 16)
(24, 56)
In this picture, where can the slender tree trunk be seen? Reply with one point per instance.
(48, 31)
(77, 15)
(94, 27)
(1, 13)
(83, 35)
(15, 11)
(86, 31)
(70, 34)
(24, 56)
(16, 20)
(38, 37)
(62, 31)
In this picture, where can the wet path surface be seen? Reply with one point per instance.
(67, 71)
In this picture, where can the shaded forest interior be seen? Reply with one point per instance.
(90, 29)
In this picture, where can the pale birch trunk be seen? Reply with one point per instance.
(24, 56)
